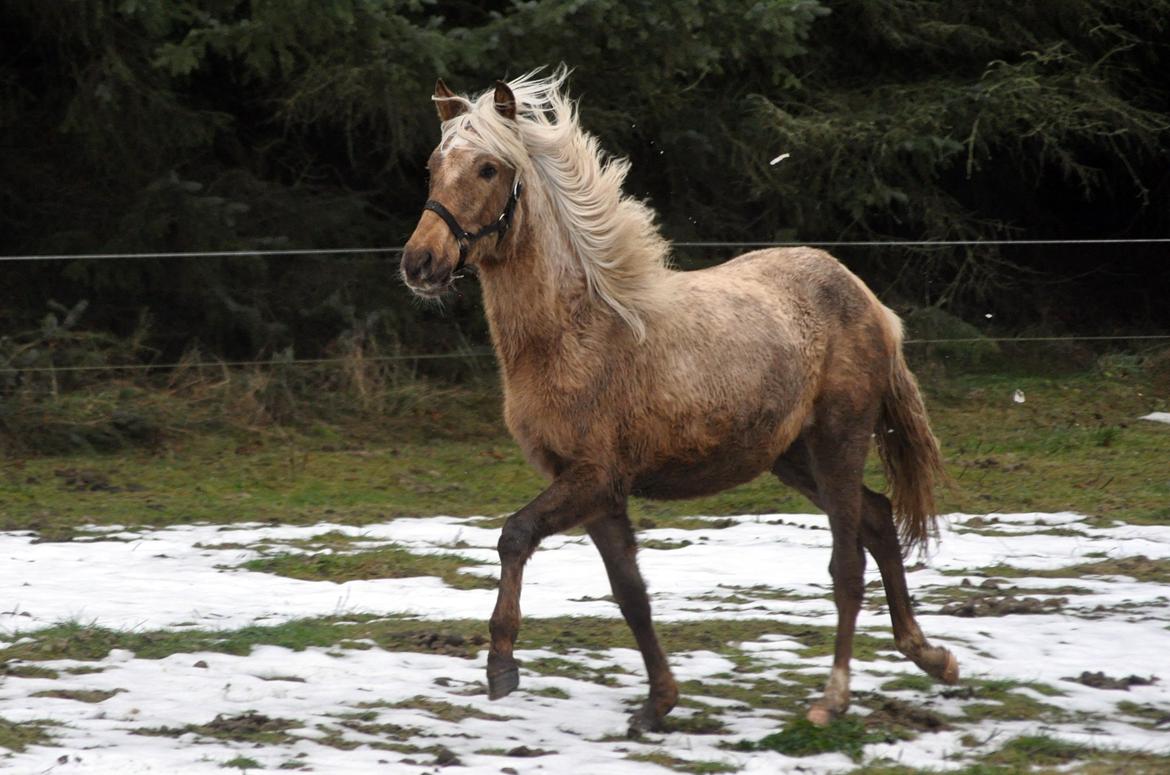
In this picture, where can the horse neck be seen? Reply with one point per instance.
(537, 307)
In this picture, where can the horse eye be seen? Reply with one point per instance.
(487, 171)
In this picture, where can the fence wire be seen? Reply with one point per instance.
(360, 251)
(682, 244)
(488, 353)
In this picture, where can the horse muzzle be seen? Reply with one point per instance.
(425, 273)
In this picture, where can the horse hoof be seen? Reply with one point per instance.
(503, 682)
(820, 715)
(644, 721)
(941, 665)
(950, 673)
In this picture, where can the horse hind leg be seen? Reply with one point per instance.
(827, 469)
(880, 537)
(614, 539)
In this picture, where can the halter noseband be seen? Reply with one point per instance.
(466, 238)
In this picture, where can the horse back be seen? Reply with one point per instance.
(728, 377)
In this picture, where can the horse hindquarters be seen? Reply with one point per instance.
(825, 464)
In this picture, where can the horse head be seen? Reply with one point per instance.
(472, 195)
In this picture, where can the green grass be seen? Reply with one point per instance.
(552, 692)
(79, 695)
(387, 562)
(440, 709)
(565, 668)
(1042, 755)
(291, 481)
(1037, 750)
(29, 671)
(758, 693)
(242, 763)
(801, 737)
(460, 637)
(1140, 568)
(249, 727)
(384, 731)
(917, 683)
(1000, 700)
(1074, 444)
(17, 737)
(704, 722)
(1151, 715)
(690, 766)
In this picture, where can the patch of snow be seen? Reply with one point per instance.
(771, 566)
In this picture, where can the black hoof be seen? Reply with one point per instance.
(502, 681)
(644, 721)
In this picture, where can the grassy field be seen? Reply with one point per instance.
(398, 676)
(1074, 444)
(124, 455)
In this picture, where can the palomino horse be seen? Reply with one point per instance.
(623, 377)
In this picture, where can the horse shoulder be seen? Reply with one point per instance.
(559, 411)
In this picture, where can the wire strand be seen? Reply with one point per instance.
(242, 363)
(928, 243)
(999, 339)
(487, 353)
(199, 254)
(682, 244)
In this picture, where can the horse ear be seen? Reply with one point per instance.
(505, 101)
(445, 102)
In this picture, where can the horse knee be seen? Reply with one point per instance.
(515, 543)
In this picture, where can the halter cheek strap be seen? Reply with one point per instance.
(466, 238)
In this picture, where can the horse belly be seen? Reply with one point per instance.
(692, 477)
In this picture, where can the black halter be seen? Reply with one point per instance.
(466, 238)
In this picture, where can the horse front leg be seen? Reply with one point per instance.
(614, 538)
(574, 497)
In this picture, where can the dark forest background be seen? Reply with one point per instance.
(175, 125)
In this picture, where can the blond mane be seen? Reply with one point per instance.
(612, 238)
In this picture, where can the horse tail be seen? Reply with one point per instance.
(909, 451)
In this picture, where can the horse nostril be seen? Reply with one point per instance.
(416, 264)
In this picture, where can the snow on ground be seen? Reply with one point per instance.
(190, 577)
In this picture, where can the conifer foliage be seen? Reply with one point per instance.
(240, 124)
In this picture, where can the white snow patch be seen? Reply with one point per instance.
(770, 566)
